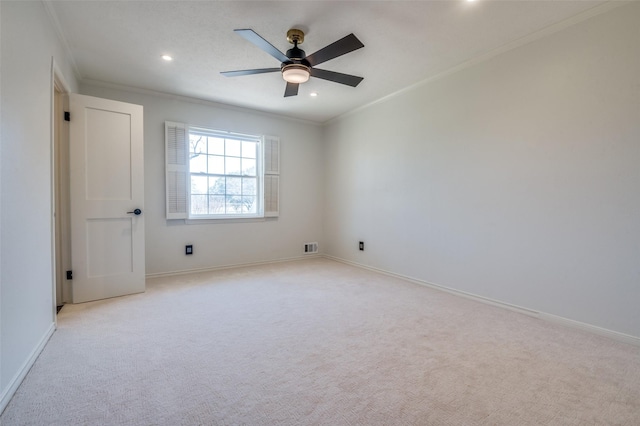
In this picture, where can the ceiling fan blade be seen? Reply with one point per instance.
(263, 44)
(337, 77)
(344, 45)
(248, 72)
(291, 89)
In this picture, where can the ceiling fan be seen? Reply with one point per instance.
(296, 66)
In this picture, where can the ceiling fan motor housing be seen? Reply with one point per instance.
(296, 53)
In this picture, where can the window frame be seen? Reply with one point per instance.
(259, 158)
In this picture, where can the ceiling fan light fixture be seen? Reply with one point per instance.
(295, 73)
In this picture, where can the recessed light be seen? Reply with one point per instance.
(167, 58)
(313, 94)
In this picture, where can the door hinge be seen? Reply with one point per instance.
(69, 275)
(67, 116)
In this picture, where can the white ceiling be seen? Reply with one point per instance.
(121, 42)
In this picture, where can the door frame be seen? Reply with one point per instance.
(60, 238)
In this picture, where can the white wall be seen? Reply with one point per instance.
(26, 282)
(224, 244)
(516, 179)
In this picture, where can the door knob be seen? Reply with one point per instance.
(136, 212)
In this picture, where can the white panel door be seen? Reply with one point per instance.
(107, 195)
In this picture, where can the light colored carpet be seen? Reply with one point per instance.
(317, 342)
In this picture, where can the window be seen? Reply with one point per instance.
(224, 174)
(212, 174)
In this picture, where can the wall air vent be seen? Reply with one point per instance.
(310, 248)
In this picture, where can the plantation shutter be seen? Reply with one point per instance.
(177, 169)
(271, 176)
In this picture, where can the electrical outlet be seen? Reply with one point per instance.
(188, 249)
(361, 245)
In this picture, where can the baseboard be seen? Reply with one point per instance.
(615, 335)
(14, 384)
(231, 266)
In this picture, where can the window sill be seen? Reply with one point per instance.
(208, 221)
